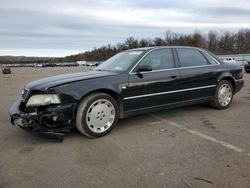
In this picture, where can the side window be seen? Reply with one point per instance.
(210, 60)
(190, 57)
(159, 59)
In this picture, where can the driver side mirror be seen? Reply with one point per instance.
(144, 68)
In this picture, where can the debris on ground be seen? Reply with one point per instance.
(186, 182)
(6, 70)
(208, 181)
(163, 130)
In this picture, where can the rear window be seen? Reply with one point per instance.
(189, 57)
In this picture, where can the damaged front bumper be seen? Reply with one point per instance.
(37, 122)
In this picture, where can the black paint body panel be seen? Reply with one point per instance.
(136, 93)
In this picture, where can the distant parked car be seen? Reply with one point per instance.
(89, 64)
(97, 63)
(6, 70)
(247, 67)
(92, 63)
(131, 82)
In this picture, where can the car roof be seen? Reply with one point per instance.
(191, 47)
(159, 47)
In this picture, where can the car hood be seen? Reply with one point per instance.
(53, 81)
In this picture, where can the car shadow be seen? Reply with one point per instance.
(130, 122)
(127, 123)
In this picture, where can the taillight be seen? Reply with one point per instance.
(241, 73)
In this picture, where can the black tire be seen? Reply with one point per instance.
(215, 102)
(85, 104)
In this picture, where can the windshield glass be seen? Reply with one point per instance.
(121, 61)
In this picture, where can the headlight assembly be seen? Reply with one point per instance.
(43, 100)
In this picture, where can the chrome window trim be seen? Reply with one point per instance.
(218, 63)
(202, 51)
(160, 70)
(177, 68)
(168, 92)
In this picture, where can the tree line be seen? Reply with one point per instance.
(27, 60)
(217, 42)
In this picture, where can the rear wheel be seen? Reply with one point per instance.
(97, 115)
(223, 95)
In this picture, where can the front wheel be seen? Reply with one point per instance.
(97, 115)
(223, 95)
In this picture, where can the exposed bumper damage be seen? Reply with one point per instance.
(49, 122)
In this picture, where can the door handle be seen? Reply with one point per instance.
(174, 76)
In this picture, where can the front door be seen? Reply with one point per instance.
(153, 88)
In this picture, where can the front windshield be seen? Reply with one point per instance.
(121, 61)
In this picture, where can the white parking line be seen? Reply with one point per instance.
(201, 135)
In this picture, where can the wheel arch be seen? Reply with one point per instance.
(110, 92)
(229, 79)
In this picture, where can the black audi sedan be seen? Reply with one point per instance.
(129, 83)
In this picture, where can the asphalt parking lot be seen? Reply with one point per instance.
(195, 146)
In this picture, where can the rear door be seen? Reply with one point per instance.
(198, 75)
(150, 89)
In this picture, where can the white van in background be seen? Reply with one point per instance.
(230, 60)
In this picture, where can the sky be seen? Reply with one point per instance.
(65, 27)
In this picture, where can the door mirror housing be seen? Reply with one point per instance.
(144, 68)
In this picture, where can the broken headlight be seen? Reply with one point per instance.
(43, 100)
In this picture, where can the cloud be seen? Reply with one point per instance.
(60, 26)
